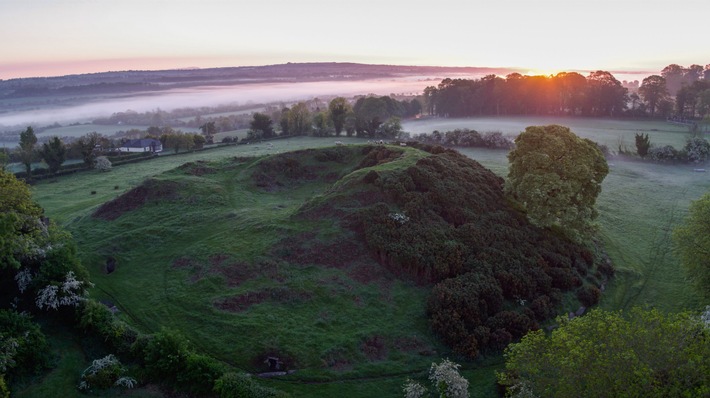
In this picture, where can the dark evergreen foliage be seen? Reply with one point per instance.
(445, 221)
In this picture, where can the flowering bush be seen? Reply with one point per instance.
(663, 154)
(697, 149)
(104, 373)
(446, 380)
(412, 389)
(445, 376)
(102, 164)
(23, 279)
(70, 293)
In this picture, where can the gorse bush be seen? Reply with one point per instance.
(446, 221)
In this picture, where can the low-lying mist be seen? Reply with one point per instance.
(212, 96)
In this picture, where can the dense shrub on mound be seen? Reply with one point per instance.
(446, 221)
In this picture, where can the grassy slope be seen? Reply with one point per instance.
(240, 223)
(639, 204)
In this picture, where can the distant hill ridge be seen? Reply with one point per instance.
(172, 78)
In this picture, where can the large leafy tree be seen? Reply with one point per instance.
(179, 141)
(653, 90)
(27, 151)
(611, 354)
(571, 87)
(338, 110)
(605, 95)
(262, 125)
(673, 74)
(370, 113)
(86, 146)
(556, 176)
(209, 129)
(18, 220)
(299, 119)
(692, 243)
(53, 153)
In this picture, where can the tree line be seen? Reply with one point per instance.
(89, 147)
(677, 91)
(369, 116)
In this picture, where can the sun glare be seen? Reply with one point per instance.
(542, 72)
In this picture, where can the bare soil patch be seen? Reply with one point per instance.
(374, 348)
(198, 168)
(149, 191)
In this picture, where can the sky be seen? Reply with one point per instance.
(58, 37)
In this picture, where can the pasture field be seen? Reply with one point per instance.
(245, 111)
(610, 132)
(239, 134)
(69, 197)
(640, 204)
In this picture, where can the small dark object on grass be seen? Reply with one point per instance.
(115, 187)
(110, 265)
(93, 192)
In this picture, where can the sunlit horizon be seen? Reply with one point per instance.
(57, 69)
(44, 38)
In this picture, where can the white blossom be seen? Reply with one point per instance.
(705, 317)
(8, 349)
(412, 389)
(126, 382)
(23, 279)
(445, 376)
(71, 294)
(401, 218)
(102, 164)
(698, 149)
(47, 298)
(101, 363)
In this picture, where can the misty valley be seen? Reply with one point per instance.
(353, 230)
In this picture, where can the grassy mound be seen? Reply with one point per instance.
(337, 261)
(444, 220)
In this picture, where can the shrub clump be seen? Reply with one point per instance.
(105, 373)
(102, 164)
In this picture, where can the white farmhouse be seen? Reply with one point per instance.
(143, 145)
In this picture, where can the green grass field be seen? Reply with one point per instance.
(609, 132)
(238, 134)
(640, 204)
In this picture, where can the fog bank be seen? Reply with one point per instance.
(213, 96)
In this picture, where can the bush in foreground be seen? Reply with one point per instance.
(641, 354)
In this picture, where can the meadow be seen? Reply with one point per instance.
(609, 132)
(640, 204)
